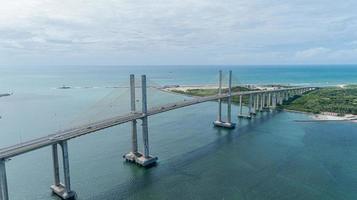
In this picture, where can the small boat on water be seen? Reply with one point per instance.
(64, 87)
(5, 95)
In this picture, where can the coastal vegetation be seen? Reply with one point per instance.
(208, 92)
(341, 100)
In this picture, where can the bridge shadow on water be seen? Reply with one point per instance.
(144, 177)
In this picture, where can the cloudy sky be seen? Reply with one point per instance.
(177, 32)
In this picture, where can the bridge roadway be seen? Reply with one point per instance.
(64, 135)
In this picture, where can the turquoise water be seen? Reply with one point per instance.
(270, 157)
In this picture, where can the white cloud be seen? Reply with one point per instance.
(175, 31)
(313, 52)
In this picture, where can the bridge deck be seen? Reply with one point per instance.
(68, 134)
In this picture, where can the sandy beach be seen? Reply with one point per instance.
(327, 117)
(184, 88)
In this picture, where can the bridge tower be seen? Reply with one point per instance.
(3, 181)
(219, 122)
(62, 190)
(142, 159)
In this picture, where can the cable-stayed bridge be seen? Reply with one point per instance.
(258, 100)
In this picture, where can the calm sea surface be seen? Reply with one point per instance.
(270, 157)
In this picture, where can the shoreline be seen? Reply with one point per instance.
(184, 88)
(324, 117)
(314, 117)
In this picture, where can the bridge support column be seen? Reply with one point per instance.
(219, 121)
(240, 114)
(286, 95)
(147, 159)
(274, 100)
(280, 98)
(240, 105)
(143, 159)
(4, 195)
(266, 105)
(261, 102)
(62, 190)
(250, 104)
(145, 118)
(134, 135)
(254, 106)
(229, 100)
(56, 172)
(219, 116)
(269, 100)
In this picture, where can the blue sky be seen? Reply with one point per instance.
(71, 32)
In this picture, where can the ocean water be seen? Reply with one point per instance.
(270, 157)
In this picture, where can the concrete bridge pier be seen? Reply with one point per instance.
(258, 103)
(280, 97)
(142, 159)
(261, 108)
(250, 103)
(63, 190)
(286, 95)
(264, 101)
(219, 122)
(134, 134)
(4, 195)
(241, 115)
(146, 159)
(274, 100)
(133, 154)
(254, 106)
(219, 116)
(240, 105)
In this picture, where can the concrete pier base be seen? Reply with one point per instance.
(265, 109)
(245, 116)
(140, 159)
(60, 191)
(224, 124)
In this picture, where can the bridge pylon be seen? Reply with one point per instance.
(142, 159)
(219, 122)
(63, 190)
(4, 195)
